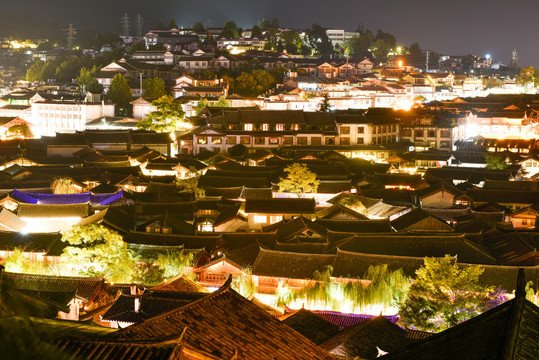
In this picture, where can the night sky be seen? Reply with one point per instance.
(453, 27)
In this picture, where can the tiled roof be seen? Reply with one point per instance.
(280, 206)
(84, 287)
(224, 324)
(508, 331)
(310, 325)
(415, 245)
(364, 339)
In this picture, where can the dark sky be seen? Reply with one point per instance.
(452, 26)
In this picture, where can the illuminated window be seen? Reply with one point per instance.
(279, 127)
(245, 140)
(217, 140)
(202, 140)
(361, 130)
(259, 140)
(345, 130)
(265, 127)
(231, 140)
(275, 219)
(274, 141)
(248, 127)
(261, 219)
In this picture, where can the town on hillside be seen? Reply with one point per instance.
(219, 193)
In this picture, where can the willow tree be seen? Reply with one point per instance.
(174, 262)
(379, 288)
(94, 250)
(444, 294)
(299, 180)
(244, 284)
(63, 185)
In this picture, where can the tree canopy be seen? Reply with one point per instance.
(87, 81)
(167, 117)
(120, 93)
(299, 180)
(230, 30)
(62, 185)
(319, 41)
(94, 250)
(253, 84)
(154, 87)
(444, 294)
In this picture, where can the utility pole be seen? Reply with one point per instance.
(140, 84)
(427, 62)
(140, 23)
(125, 25)
(71, 32)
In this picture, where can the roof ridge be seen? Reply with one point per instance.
(225, 288)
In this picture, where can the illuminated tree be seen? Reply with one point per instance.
(63, 185)
(324, 105)
(168, 117)
(94, 250)
(87, 81)
(202, 104)
(174, 262)
(495, 162)
(379, 288)
(33, 73)
(527, 75)
(300, 180)
(444, 294)
(244, 284)
(21, 130)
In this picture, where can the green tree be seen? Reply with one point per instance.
(319, 41)
(148, 274)
(256, 32)
(527, 75)
(292, 41)
(324, 105)
(495, 162)
(190, 184)
(172, 24)
(199, 28)
(444, 294)
(168, 117)
(415, 49)
(48, 71)
(264, 24)
(120, 93)
(230, 30)
(380, 49)
(21, 130)
(63, 185)
(358, 47)
(94, 250)
(154, 87)
(299, 180)
(244, 284)
(85, 78)
(174, 262)
(33, 73)
(203, 103)
(274, 23)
